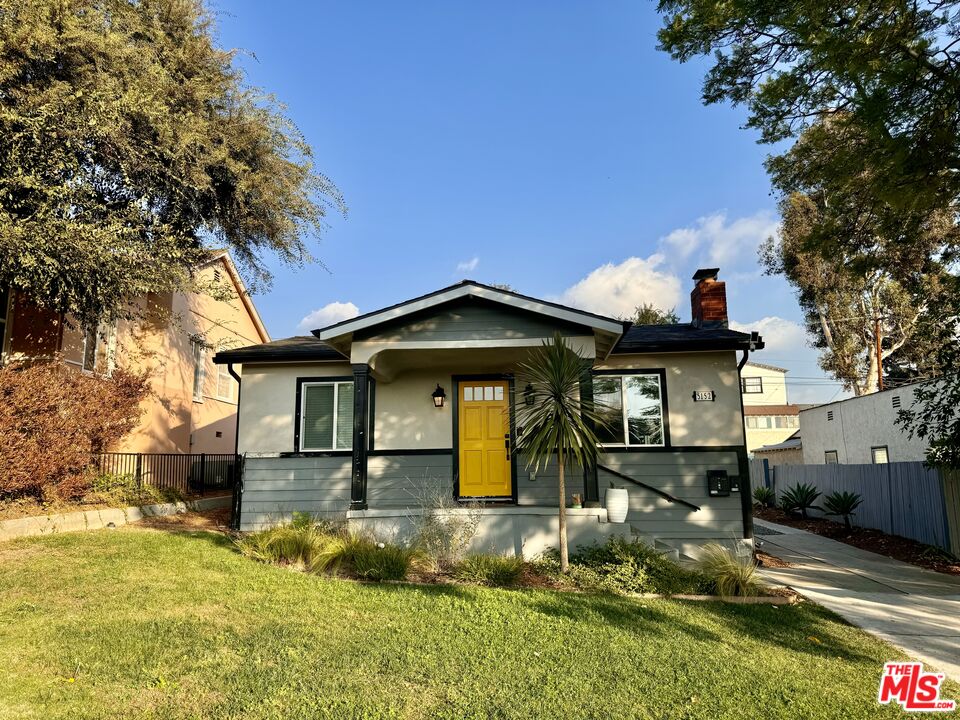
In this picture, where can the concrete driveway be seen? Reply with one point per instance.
(915, 609)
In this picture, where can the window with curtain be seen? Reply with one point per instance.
(632, 408)
(326, 416)
(226, 385)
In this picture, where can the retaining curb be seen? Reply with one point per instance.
(104, 517)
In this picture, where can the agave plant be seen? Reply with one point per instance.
(843, 503)
(764, 496)
(800, 498)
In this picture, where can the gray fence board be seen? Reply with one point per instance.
(905, 499)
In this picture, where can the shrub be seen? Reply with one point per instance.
(843, 503)
(300, 543)
(490, 570)
(123, 489)
(764, 496)
(52, 419)
(623, 566)
(442, 530)
(801, 497)
(730, 575)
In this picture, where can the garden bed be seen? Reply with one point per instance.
(893, 546)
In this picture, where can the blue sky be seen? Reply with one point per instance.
(548, 146)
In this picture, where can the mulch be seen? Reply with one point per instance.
(217, 520)
(893, 546)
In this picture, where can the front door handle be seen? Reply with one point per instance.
(506, 444)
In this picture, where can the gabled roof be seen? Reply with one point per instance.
(300, 347)
(471, 288)
(224, 257)
(682, 336)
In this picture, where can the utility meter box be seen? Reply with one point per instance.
(718, 484)
(734, 483)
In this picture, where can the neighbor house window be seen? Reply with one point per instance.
(830, 457)
(99, 348)
(751, 385)
(198, 353)
(880, 455)
(326, 416)
(4, 305)
(632, 407)
(226, 385)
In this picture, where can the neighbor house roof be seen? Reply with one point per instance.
(767, 367)
(773, 409)
(791, 443)
(300, 347)
(242, 292)
(682, 336)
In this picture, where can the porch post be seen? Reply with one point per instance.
(358, 485)
(591, 489)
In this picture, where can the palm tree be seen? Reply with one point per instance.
(554, 421)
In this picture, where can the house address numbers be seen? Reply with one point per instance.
(704, 396)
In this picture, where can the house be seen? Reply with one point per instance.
(192, 408)
(861, 430)
(788, 452)
(770, 418)
(365, 417)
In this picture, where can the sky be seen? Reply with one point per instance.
(549, 146)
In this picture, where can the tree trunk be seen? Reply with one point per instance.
(564, 553)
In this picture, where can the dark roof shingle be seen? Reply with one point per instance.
(681, 336)
(300, 347)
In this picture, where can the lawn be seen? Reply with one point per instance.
(149, 623)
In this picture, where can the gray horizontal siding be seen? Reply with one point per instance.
(682, 474)
(473, 321)
(402, 481)
(275, 488)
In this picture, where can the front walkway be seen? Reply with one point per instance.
(911, 607)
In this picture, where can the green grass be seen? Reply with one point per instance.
(151, 624)
(491, 570)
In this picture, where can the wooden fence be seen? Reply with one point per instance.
(905, 499)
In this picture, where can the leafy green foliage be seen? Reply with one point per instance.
(490, 570)
(731, 575)
(622, 566)
(843, 503)
(799, 498)
(557, 422)
(121, 490)
(764, 496)
(127, 139)
(650, 314)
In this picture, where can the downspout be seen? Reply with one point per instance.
(237, 500)
(743, 463)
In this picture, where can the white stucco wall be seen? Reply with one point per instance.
(268, 401)
(774, 386)
(858, 425)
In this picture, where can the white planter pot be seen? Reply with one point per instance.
(618, 504)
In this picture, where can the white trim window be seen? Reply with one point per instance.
(226, 385)
(632, 405)
(326, 416)
(751, 385)
(100, 349)
(879, 455)
(198, 351)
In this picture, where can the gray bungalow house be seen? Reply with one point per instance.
(364, 418)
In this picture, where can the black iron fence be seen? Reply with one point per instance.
(197, 473)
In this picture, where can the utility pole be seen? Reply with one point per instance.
(876, 337)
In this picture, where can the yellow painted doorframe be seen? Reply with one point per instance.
(484, 438)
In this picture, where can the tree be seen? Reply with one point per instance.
(129, 143)
(557, 423)
(890, 70)
(650, 314)
(850, 315)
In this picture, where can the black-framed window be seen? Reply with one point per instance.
(830, 457)
(325, 419)
(751, 385)
(632, 406)
(879, 455)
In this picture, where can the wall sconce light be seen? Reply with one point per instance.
(438, 396)
(528, 394)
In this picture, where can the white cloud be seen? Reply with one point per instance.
(779, 335)
(717, 242)
(616, 290)
(468, 266)
(329, 314)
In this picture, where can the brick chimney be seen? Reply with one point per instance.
(708, 299)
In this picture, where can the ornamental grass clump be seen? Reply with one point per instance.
(490, 570)
(730, 575)
(301, 544)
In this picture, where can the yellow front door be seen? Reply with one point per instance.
(484, 433)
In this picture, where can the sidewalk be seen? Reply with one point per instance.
(913, 608)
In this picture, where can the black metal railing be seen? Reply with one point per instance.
(198, 473)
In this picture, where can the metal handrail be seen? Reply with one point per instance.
(665, 495)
